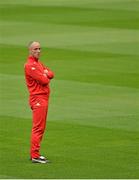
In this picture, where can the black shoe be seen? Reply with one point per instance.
(40, 159)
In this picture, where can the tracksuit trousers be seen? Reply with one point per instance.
(39, 106)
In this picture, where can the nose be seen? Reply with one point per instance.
(39, 50)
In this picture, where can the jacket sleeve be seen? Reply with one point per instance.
(32, 71)
(50, 74)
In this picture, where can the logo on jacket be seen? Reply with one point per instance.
(33, 68)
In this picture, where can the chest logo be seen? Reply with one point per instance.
(33, 68)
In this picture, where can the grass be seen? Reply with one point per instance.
(92, 128)
(76, 151)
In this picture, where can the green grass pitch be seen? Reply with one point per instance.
(93, 121)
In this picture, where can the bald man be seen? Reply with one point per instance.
(37, 78)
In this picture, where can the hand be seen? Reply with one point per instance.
(46, 71)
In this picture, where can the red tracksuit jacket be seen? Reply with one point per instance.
(37, 81)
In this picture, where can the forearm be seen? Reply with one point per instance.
(49, 73)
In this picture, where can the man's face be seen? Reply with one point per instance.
(35, 50)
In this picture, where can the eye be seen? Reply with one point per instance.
(37, 49)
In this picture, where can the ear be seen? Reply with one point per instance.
(30, 49)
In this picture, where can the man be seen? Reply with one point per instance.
(37, 78)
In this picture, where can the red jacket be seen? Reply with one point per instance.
(37, 81)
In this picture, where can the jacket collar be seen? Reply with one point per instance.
(32, 59)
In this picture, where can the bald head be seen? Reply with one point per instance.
(32, 43)
(34, 49)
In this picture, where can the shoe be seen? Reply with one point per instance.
(40, 159)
